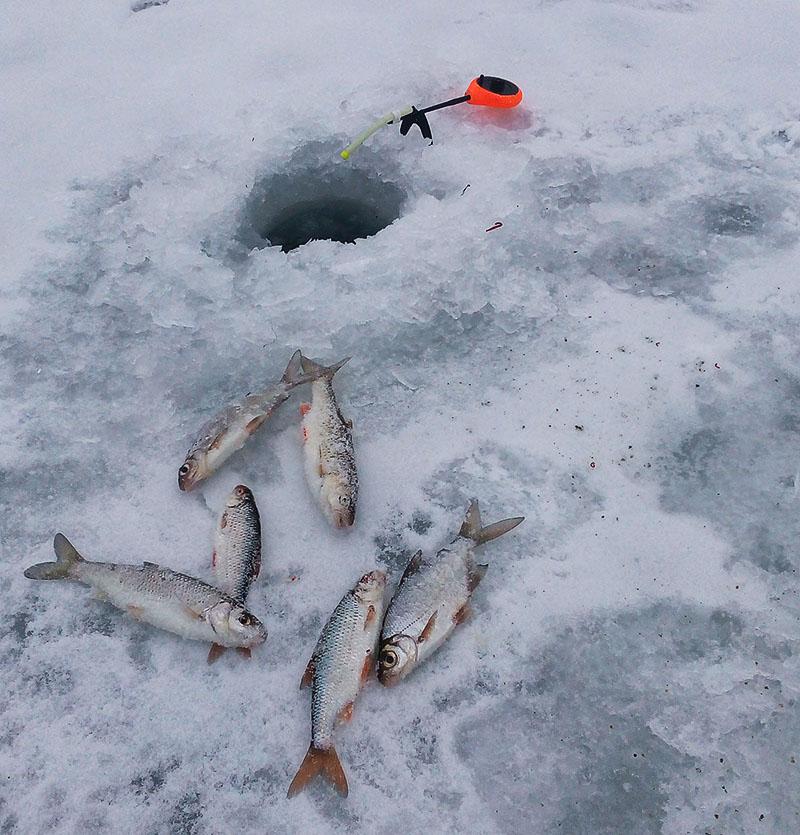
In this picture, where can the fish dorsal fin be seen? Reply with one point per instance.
(476, 574)
(428, 630)
(413, 566)
(147, 564)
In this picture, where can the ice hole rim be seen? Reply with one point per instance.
(321, 197)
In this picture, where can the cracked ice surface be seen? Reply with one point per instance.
(617, 362)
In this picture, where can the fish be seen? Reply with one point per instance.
(341, 663)
(330, 462)
(229, 430)
(236, 558)
(158, 596)
(432, 597)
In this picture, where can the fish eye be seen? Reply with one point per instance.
(184, 470)
(388, 658)
(344, 500)
(245, 619)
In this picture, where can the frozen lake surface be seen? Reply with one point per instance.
(618, 362)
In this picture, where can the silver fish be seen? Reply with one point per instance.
(166, 599)
(236, 558)
(228, 431)
(432, 598)
(339, 666)
(330, 462)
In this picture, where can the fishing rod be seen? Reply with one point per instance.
(483, 91)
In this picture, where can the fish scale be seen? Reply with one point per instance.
(337, 670)
(330, 462)
(228, 431)
(440, 584)
(237, 544)
(339, 660)
(432, 597)
(163, 598)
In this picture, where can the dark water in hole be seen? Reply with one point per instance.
(330, 219)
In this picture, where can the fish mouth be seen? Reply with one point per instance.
(389, 679)
(258, 640)
(186, 482)
(343, 520)
(240, 495)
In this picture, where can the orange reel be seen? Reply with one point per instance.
(490, 91)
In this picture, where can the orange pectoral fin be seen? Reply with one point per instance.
(308, 675)
(214, 653)
(366, 670)
(462, 614)
(244, 652)
(346, 713)
(371, 615)
(305, 408)
(426, 632)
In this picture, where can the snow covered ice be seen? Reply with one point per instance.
(618, 363)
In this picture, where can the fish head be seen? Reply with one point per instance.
(370, 588)
(339, 499)
(240, 495)
(397, 659)
(244, 628)
(191, 472)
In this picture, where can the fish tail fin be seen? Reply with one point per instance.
(67, 558)
(298, 372)
(472, 527)
(322, 372)
(324, 761)
(294, 369)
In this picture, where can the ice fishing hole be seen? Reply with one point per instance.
(331, 201)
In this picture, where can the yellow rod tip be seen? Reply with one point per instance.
(345, 154)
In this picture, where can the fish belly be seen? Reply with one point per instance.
(167, 613)
(312, 442)
(232, 441)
